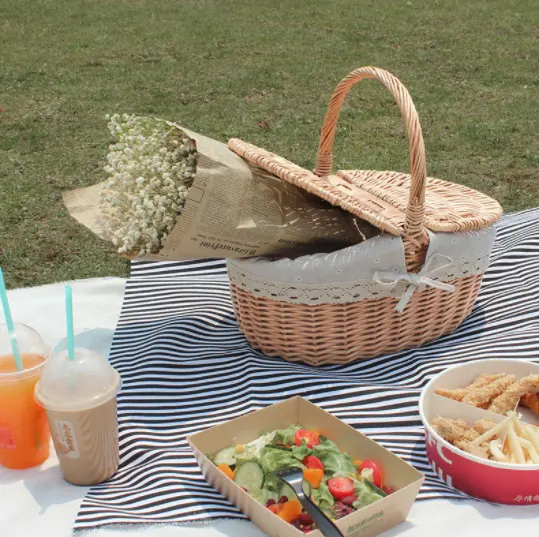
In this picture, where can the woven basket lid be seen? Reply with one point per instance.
(398, 203)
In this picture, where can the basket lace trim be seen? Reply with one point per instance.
(350, 291)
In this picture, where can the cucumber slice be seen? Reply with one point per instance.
(288, 491)
(225, 456)
(374, 488)
(250, 476)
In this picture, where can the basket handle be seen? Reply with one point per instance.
(413, 226)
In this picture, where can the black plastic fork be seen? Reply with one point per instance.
(294, 478)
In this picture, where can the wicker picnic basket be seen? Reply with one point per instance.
(337, 332)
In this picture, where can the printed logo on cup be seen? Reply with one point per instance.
(526, 499)
(67, 441)
(7, 438)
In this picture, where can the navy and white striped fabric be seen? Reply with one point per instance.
(186, 367)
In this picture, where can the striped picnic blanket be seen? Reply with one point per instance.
(186, 367)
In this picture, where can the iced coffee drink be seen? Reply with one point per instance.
(79, 397)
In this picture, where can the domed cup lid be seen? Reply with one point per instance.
(79, 384)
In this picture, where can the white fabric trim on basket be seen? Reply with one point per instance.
(339, 292)
(370, 270)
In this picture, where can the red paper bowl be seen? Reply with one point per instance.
(488, 480)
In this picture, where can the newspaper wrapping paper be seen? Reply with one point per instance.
(234, 210)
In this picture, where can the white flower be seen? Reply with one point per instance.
(150, 168)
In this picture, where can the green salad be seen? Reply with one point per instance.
(338, 485)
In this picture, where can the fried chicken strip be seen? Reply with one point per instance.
(484, 379)
(470, 434)
(479, 451)
(482, 426)
(481, 381)
(480, 396)
(449, 429)
(458, 394)
(531, 401)
(510, 397)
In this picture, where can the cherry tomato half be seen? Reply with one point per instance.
(310, 437)
(340, 487)
(312, 462)
(376, 474)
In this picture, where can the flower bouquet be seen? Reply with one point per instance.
(174, 194)
(151, 167)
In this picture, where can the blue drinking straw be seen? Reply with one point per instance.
(69, 321)
(9, 322)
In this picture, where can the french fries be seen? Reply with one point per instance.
(496, 448)
(510, 441)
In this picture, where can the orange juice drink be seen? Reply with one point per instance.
(24, 432)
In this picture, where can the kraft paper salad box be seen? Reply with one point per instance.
(386, 511)
(496, 481)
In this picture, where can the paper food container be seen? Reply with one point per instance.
(366, 522)
(494, 481)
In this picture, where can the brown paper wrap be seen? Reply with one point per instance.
(235, 209)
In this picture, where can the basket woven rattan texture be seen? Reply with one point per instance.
(392, 201)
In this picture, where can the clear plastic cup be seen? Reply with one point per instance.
(24, 433)
(79, 397)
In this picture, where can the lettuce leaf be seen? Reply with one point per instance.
(254, 448)
(352, 476)
(324, 447)
(334, 460)
(300, 452)
(273, 460)
(273, 484)
(323, 497)
(285, 436)
(365, 494)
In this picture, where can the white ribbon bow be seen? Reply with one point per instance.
(415, 281)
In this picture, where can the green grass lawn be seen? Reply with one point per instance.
(262, 71)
